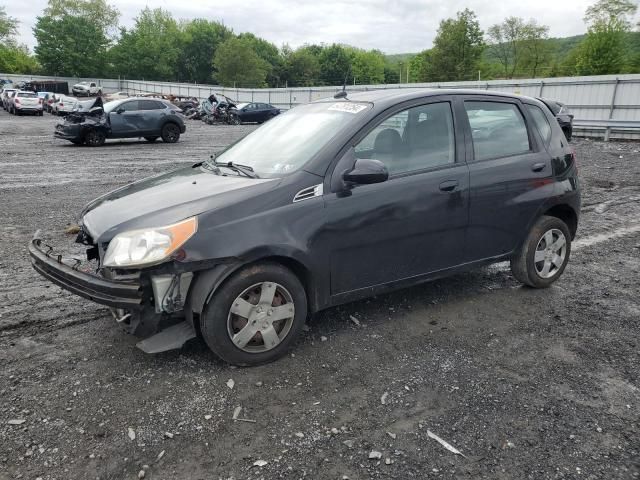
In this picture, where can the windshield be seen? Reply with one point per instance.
(287, 142)
(110, 106)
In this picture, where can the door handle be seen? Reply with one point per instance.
(449, 186)
(538, 167)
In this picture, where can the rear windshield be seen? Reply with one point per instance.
(27, 95)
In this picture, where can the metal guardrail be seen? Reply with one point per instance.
(608, 126)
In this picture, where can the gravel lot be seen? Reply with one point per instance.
(525, 383)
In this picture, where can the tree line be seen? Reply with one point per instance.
(82, 38)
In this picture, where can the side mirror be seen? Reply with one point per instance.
(120, 110)
(366, 171)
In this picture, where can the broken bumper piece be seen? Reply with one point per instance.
(64, 273)
(126, 299)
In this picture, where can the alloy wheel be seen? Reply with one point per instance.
(261, 317)
(550, 253)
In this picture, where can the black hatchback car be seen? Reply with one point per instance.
(330, 202)
(128, 118)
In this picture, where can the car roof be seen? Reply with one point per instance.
(392, 96)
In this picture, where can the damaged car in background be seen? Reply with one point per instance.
(330, 202)
(92, 122)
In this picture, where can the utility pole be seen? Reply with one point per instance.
(407, 72)
(400, 75)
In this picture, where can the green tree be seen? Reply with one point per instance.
(73, 37)
(70, 46)
(8, 25)
(302, 67)
(237, 64)
(335, 65)
(507, 40)
(536, 51)
(604, 50)
(367, 66)
(269, 53)
(457, 48)
(201, 39)
(420, 66)
(150, 49)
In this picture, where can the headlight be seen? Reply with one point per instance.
(150, 245)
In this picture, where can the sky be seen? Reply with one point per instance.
(392, 26)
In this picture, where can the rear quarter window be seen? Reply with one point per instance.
(541, 122)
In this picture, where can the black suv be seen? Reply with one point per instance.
(330, 202)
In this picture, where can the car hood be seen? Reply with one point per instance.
(166, 199)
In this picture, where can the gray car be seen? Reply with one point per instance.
(130, 118)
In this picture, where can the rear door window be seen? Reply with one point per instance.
(498, 129)
(150, 105)
(541, 122)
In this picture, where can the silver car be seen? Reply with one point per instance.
(7, 93)
(25, 102)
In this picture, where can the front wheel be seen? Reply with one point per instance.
(233, 119)
(170, 133)
(544, 254)
(255, 316)
(95, 138)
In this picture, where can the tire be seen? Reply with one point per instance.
(170, 133)
(95, 138)
(40, 113)
(246, 288)
(150, 139)
(234, 119)
(568, 133)
(543, 243)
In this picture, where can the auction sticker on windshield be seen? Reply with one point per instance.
(348, 107)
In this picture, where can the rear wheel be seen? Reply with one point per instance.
(94, 138)
(544, 254)
(170, 133)
(255, 316)
(150, 139)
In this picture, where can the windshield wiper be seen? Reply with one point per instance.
(246, 170)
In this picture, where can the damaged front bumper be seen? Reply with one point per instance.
(131, 298)
(65, 273)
